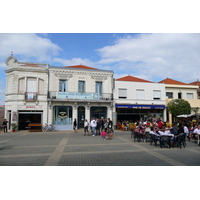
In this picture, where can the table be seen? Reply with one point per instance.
(34, 127)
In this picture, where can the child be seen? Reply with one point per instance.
(103, 134)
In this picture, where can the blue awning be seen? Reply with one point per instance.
(137, 106)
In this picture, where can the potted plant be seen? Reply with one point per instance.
(14, 127)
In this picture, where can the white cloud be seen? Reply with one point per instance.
(155, 56)
(74, 61)
(27, 45)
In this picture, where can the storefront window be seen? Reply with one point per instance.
(62, 115)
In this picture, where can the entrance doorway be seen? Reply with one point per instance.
(25, 119)
(81, 116)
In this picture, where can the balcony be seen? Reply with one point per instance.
(30, 96)
(86, 96)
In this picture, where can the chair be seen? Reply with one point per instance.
(165, 140)
(154, 139)
(147, 137)
(180, 141)
(136, 135)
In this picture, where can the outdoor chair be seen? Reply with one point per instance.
(165, 140)
(180, 141)
(154, 139)
(137, 136)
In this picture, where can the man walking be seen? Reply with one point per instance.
(93, 125)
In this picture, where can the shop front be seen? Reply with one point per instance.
(98, 112)
(62, 117)
(137, 112)
(26, 117)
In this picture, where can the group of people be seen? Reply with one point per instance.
(160, 128)
(127, 125)
(95, 126)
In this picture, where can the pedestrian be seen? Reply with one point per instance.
(86, 126)
(103, 134)
(75, 125)
(93, 125)
(102, 124)
(110, 129)
(98, 126)
(4, 124)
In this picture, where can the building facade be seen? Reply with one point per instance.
(39, 93)
(179, 90)
(138, 98)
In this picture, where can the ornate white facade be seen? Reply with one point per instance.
(39, 93)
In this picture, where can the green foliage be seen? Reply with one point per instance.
(179, 107)
(14, 126)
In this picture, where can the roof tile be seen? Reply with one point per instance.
(81, 67)
(171, 81)
(133, 79)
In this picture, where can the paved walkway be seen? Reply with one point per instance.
(65, 148)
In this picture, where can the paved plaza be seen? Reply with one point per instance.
(66, 148)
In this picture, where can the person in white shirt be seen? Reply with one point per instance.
(186, 131)
(93, 124)
(164, 131)
(86, 126)
(197, 132)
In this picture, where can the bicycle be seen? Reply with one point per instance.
(49, 127)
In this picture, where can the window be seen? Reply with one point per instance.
(122, 93)
(179, 95)
(31, 85)
(169, 95)
(63, 85)
(21, 85)
(140, 94)
(189, 96)
(81, 86)
(98, 88)
(41, 86)
(156, 94)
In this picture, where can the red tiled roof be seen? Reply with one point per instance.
(195, 83)
(81, 67)
(133, 79)
(171, 81)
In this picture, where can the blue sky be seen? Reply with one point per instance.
(102, 35)
(153, 57)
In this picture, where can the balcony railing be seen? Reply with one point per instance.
(80, 96)
(30, 96)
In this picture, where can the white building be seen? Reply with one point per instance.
(179, 90)
(136, 98)
(39, 93)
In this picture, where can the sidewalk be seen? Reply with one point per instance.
(66, 148)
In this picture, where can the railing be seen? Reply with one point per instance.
(30, 96)
(80, 96)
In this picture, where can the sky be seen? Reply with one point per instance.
(99, 34)
(150, 56)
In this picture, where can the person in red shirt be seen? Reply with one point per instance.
(160, 124)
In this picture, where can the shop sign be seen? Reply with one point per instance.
(30, 95)
(142, 106)
(30, 107)
(76, 95)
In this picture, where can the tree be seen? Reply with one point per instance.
(196, 110)
(179, 107)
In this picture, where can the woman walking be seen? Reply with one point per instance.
(75, 125)
(86, 126)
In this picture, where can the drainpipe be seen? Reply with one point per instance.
(47, 71)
